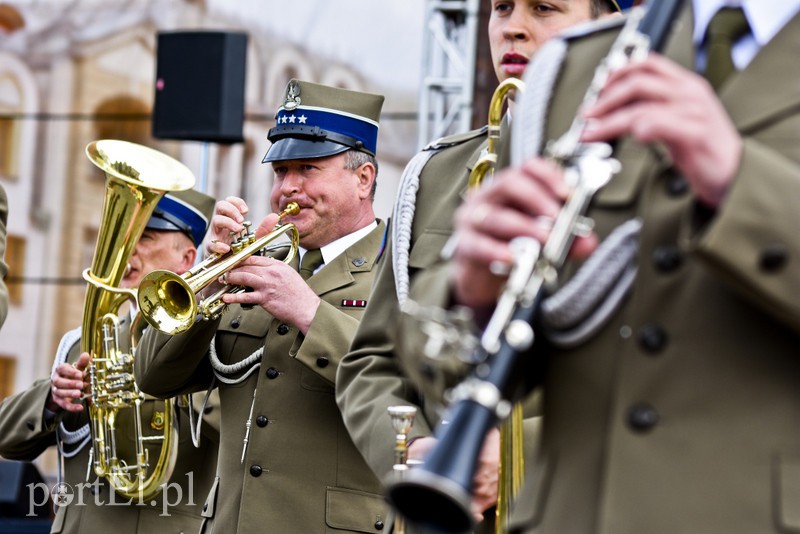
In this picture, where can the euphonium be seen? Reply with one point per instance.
(488, 160)
(169, 302)
(511, 439)
(136, 179)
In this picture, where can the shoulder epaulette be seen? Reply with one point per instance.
(592, 26)
(457, 139)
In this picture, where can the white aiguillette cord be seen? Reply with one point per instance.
(222, 371)
(578, 310)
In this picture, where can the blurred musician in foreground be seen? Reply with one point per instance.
(369, 379)
(287, 463)
(50, 412)
(678, 412)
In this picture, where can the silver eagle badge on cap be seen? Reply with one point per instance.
(292, 96)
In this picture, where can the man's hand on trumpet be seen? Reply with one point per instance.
(226, 223)
(272, 284)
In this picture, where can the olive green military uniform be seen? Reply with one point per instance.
(300, 471)
(681, 414)
(91, 504)
(369, 381)
(3, 266)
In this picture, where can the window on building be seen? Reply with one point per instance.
(8, 368)
(15, 258)
(10, 100)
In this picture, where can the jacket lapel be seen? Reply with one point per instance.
(748, 100)
(359, 257)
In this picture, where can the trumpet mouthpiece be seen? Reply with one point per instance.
(292, 208)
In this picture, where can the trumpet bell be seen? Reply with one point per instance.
(168, 302)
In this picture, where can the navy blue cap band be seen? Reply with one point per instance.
(318, 124)
(174, 214)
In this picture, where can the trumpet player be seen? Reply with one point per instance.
(51, 412)
(677, 413)
(370, 378)
(287, 463)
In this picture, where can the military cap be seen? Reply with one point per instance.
(316, 120)
(187, 211)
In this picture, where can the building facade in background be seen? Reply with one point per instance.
(74, 72)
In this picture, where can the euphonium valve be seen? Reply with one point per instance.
(169, 301)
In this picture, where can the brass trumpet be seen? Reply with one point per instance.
(169, 301)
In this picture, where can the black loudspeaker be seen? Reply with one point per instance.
(199, 93)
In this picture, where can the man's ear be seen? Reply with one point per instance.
(366, 177)
(189, 255)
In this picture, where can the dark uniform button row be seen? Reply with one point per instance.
(652, 338)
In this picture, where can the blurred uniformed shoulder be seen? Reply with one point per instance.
(457, 139)
(601, 25)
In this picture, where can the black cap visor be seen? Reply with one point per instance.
(293, 148)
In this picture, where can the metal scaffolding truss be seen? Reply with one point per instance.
(448, 68)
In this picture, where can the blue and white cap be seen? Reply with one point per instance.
(318, 120)
(186, 211)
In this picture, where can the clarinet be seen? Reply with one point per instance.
(438, 494)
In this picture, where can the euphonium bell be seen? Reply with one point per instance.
(169, 301)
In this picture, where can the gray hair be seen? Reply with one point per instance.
(355, 159)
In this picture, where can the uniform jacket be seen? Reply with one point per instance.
(681, 414)
(300, 471)
(368, 380)
(95, 507)
(3, 266)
